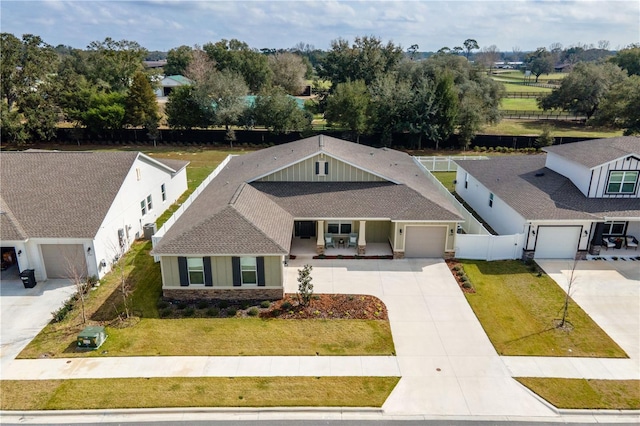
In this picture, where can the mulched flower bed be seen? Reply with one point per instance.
(322, 306)
(456, 267)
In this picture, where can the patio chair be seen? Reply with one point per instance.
(353, 240)
(607, 243)
(632, 242)
(328, 241)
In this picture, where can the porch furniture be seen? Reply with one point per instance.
(607, 243)
(632, 242)
(328, 241)
(341, 242)
(353, 240)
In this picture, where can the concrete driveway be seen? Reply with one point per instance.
(25, 311)
(609, 291)
(447, 362)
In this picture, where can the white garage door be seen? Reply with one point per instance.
(64, 260)
(424, 241)
(555, 242)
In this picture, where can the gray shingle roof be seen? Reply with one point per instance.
(62, 194)
(598, 151)
(550, 196)
(175, 165)
(10, 229)
(414, 198)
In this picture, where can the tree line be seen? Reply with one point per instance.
(365, 86)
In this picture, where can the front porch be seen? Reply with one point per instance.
(623, 253)
(306, 248)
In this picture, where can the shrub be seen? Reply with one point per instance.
(464, 279)
(166, 312)
(265, 304)
(182, 305)
(286, 306)
(457, 268)
(244, 305)
(466, 284)
(252, 312)
(162, 304)
(223, 304)
(213, 312)
(459, 273)
(231, 312)
(61, 313)
(188, 312)
(203, 304)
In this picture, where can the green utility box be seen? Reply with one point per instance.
(91, 337)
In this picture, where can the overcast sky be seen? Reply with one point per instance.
(162, 25)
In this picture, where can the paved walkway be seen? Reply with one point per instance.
(447, 364)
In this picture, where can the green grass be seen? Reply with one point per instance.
(558, 129)
(196, 392)
(512, 87)
(586, 394)
(518, 311)
(519, 104)
(198, 336)
(446, 178)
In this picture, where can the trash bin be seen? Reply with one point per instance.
(91, 337)
(149, 230)
(28, 277)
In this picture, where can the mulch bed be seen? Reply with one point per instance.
(322, 306)
(465, 287)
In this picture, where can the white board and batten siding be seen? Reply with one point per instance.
(600, 178)
(337, 171)
(489, 247)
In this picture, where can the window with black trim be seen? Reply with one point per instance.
(614, 228)
(622, 182)
(163, 191)
(249, 270)
(339, 227)
(491, 199)
(466, 180)
(195, 267)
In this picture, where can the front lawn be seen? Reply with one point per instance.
(163, 392)
(586, 394)
(519, 309)
(148, 334)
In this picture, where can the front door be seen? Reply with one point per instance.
(305, 229)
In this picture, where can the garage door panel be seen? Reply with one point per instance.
(557, 242)
(425, 241)
(64, 260)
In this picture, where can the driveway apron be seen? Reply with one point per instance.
(447, 363)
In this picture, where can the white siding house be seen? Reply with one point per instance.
(75, 213)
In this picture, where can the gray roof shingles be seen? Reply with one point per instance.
(518, 181)
(272, 212)
(598, 151)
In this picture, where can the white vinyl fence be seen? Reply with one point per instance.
(155, 239)
(489, 247)
(446, 164)
(471, 225)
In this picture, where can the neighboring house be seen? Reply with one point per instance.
(565, 202)
(170, 82)
(67, 214)
(233, 240)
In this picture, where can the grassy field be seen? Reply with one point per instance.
(446, 178)
(526, 104)
(558, 129)
(196, 392)
(586, 394)
(197, 336)
(519, 310)
(512, 87)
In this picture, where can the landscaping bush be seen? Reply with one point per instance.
(166, 312)
(253, 312)
(286, 306)
(188, 312)
(213, 312)
(231, 312)
(265, 304)
(203, 304)
(182, 305)
(163, 304)
(223, 304)
(61, 313)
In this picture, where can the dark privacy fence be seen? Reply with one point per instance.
(263, 138)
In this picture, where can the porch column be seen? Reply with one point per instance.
(320, 237)
(362, 242)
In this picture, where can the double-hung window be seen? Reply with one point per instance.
(149, 203)
(491, 199)
(622, 182)
(143, 207)
(339, 227)
(163, 191)
(249, 270)
(195, 267)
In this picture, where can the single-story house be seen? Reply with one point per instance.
(170, 82)
(569, 201)
(70, 214)
(232, 242)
